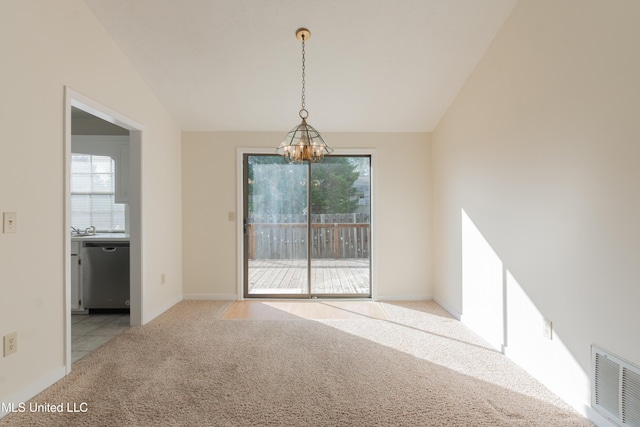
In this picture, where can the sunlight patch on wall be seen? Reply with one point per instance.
(482, 285)
(547, 360)
(498, 308)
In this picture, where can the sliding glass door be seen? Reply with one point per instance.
(307, 227)
(276, 229)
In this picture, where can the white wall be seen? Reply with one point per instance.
(46, 46)
(536, 174)
(402, 217)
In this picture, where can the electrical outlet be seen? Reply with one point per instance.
(162, 279)
(10, 222)
(547, 329)
(10, 343)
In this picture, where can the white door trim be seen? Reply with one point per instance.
(241, 151)
(78, 100)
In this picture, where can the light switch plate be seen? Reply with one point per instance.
(9, 221)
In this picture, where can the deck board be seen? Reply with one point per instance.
(328, 276)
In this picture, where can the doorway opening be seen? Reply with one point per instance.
(306, 228)
(108, 209)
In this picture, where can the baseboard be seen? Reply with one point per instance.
(162, 309)
(13, 402)
(408, 297)
(450, 310)
(217, 297)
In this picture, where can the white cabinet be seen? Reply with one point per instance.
(76, 278)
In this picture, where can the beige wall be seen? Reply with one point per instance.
(536, 189)
(402, 216)
(46, 46)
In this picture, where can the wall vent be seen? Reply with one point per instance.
(615, 391)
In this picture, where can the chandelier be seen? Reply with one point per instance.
(303, 142)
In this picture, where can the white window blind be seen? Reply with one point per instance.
(93, 194)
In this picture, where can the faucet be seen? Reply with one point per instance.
(74, 230)
(90, 230)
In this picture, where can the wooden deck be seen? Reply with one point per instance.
(328, 276)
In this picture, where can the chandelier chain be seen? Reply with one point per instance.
(303, 143)
(303, 75)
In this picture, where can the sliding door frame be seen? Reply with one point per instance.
(240, 238)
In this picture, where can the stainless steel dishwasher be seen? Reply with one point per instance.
(105, 275)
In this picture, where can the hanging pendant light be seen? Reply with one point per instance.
(303, 142)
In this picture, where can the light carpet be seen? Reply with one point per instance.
(190, 367)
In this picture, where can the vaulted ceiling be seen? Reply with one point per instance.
(371, 65)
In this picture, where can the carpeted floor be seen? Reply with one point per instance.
(190, 367)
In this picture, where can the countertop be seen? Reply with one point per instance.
(99, 237)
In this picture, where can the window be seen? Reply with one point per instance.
(93, 194)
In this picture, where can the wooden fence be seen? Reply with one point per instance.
(341, 218)
(289, 240)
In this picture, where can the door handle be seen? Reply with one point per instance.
(108, 249)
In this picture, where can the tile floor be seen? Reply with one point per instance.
(90, 331)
